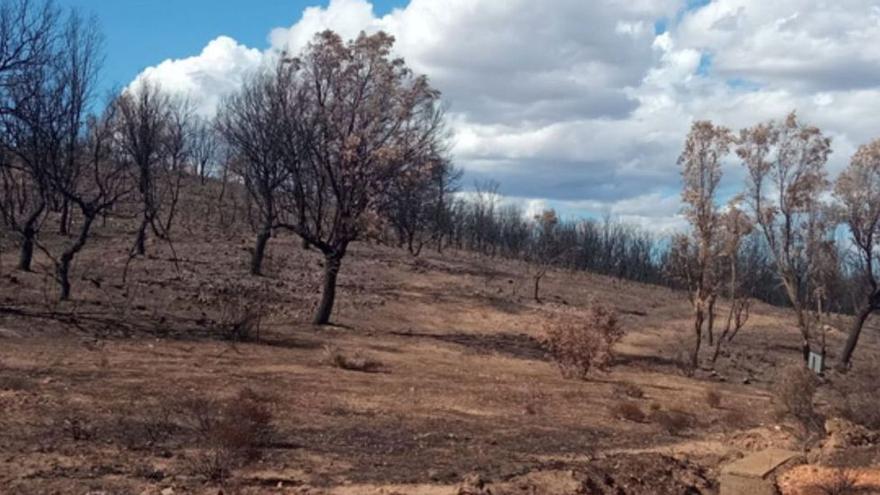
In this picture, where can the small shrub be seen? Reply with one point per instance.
(240, 311)
(230, 433)
(335, 357)
(736, 419)
(579, 346)
(78, 427)
(140, 426)
(630, 390)
(629, 411)
(861, 408)
(842, 482)
(793, 396)
(240, 319)
(713, 398)
(673, 421)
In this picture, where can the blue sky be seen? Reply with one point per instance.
(141, 33)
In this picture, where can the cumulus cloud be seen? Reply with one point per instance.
(584, 106)
(205, 78)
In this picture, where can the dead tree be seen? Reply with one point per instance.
(543, 250)
(143, 115)
(705, 147)
(102, 181)
(367, 120)
(735, 226)
(253, 122)
(858, 192)
(27, 31)
(205, 149)
(786, 179)
(416, 208)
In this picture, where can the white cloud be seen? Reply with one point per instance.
(207, 77)
(579, 105)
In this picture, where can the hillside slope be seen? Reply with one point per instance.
(92, 389)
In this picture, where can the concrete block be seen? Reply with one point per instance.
(755, 474)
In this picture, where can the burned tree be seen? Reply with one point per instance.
(786, 178)
(27, 33)
(735, 225)
(858, 191)
(416, 206)
(705, 147)
(544, 249)
(205, 149)
(253, 123)
(144, 116)
(368, 120)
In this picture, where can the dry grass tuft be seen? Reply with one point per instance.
(673, 421)
(630, 390)
(629, 411)
(713, 398)
(334, 356)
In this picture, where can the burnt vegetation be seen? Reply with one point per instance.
(344, 143)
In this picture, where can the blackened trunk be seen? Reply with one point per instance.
(710, 323)
(140, 243)
(62, 271)
(28, 239)
(26, 254)
(260, 250)
(64, 225)
(805, 335)
(332, 263)
(854, 333)
(698, 335)
(537, 289)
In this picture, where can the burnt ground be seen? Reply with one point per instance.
(96, 394)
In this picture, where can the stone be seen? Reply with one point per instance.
(755, 474)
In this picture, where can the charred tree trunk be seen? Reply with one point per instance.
(332, 263)
(854, 333)
(62, 271)
(710, 322)
(140, 242)
(64, 223)
(260, 250)
(28, 239)
(698, 336)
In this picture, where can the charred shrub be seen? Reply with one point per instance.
(579, 346)
(629, 411)
(673, 421)
(335, 357)
(793, 397)
(713, 398)
(230, 433)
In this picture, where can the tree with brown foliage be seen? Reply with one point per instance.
(858, 191)
(368, 120)
(785, 161)
(704, 149)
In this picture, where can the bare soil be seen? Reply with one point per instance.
(90, 389)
